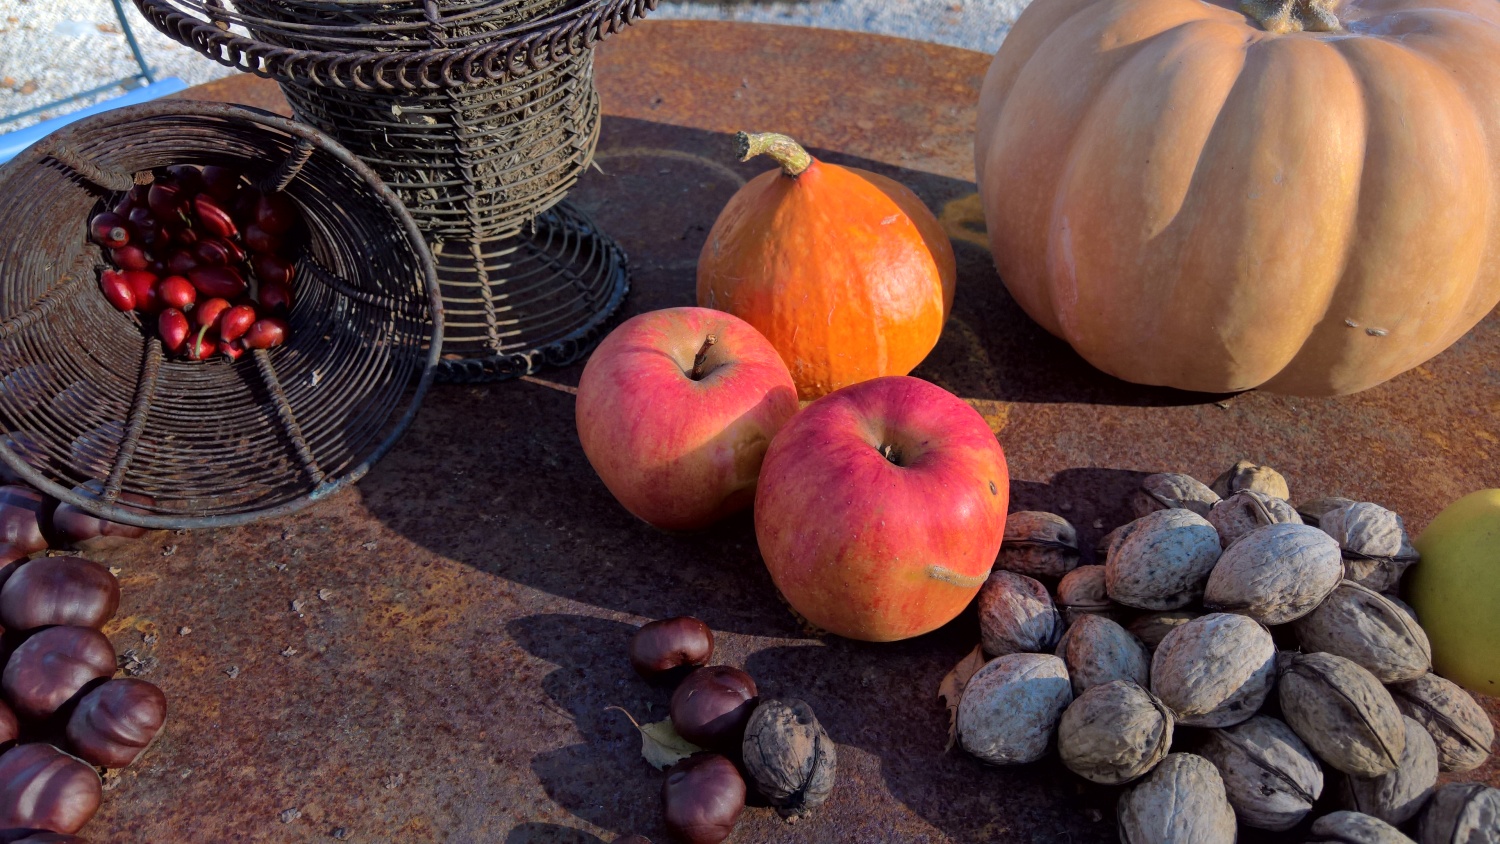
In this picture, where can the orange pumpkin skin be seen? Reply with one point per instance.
(1190, 200)
(845, 271)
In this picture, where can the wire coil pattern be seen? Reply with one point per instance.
(481, 114)
(86, 394)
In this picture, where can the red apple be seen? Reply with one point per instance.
(675, 410)
(881, 508)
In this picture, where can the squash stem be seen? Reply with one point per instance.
(1282, 16)
(697, 373)
(786, 152)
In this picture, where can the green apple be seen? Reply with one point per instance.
(1455, 590)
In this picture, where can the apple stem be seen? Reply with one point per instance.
(889, 452)
(698, 359)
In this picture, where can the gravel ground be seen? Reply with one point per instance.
(53, 48)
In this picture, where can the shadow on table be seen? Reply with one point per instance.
(550, 833)
(602, 779)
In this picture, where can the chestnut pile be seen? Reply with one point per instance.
(723, 733)
(207, 255)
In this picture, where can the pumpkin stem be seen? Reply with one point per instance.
(1282, 16)
(787, 152)
(708, 342)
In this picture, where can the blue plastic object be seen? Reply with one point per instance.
(11, 144)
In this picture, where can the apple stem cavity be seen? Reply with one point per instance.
(890, 452)
(697, 373)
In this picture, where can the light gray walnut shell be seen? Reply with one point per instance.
(1457, 723)
(1016, 615)
(1152, 627)
(1355, 828)
(1403, 606)
(1181, 801)
(1247, 475)
(1396, 797)
(1342, 712)
(1164, 562)
(1246, 510)
(1110, 542)
(1114, 733)
(1271, 777)
(1461, 813)
(1081, 592)
(1377, 550)
(1038, 544)
(1097, 650)
(1363, 625)
(1215, 671)
(1275, 574)
(1010, 708)
(790, 758)
(1171, 490)
(1312, 511)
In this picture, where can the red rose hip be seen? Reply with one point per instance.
(116, 290)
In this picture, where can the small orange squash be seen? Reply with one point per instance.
(845, 271)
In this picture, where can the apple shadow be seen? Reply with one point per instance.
(550, 833)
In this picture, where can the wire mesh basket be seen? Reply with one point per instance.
(481, 115)
(88, 395)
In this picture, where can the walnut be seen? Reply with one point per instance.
(1247, 510)
(1457, 723)
(1362, 625)
(789, 757)
(1271, 777)
(1111, 541)
(1467, 812)
(1214, 671)
(1342, 712)
(1082, 592)
(1098, 651)
(1247, 475)
(1312, 511)
(1152, 627)
(1169, 490)
(1114, 733)
(1016, 615)
(1182, 801)
(1376, 549)
(1038, 545)
(1010, 708)
(1355, 828)
(1397, 796)
(1164, 562)
(1275, 574)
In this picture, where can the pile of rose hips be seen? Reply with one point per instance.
(205, 253)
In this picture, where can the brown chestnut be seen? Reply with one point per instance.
(23, 511)
(116, 722)
(59, 590)
(75, 527)
(44, 789)
(702, 798)
(50, 668)
(667, 649)
(10, 727)
(11, 561)
(712, 705)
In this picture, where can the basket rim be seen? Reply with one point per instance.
(511, 52)
(43, 149)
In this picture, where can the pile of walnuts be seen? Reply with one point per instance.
(1272, 630)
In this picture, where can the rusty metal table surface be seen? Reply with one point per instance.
(429, 656)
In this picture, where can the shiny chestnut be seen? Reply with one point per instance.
(669, 648)
(702, 798)
(52, 666)
(23, 512)
(712, 705)
(116, 722)
(42, 788)
(75, 527)
(10, 726)
(59, 590)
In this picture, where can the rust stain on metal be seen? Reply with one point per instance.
(454, 688)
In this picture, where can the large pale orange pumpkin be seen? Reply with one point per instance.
(846, 272)
(1211, 199)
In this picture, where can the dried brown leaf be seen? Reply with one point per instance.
(951, 690)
